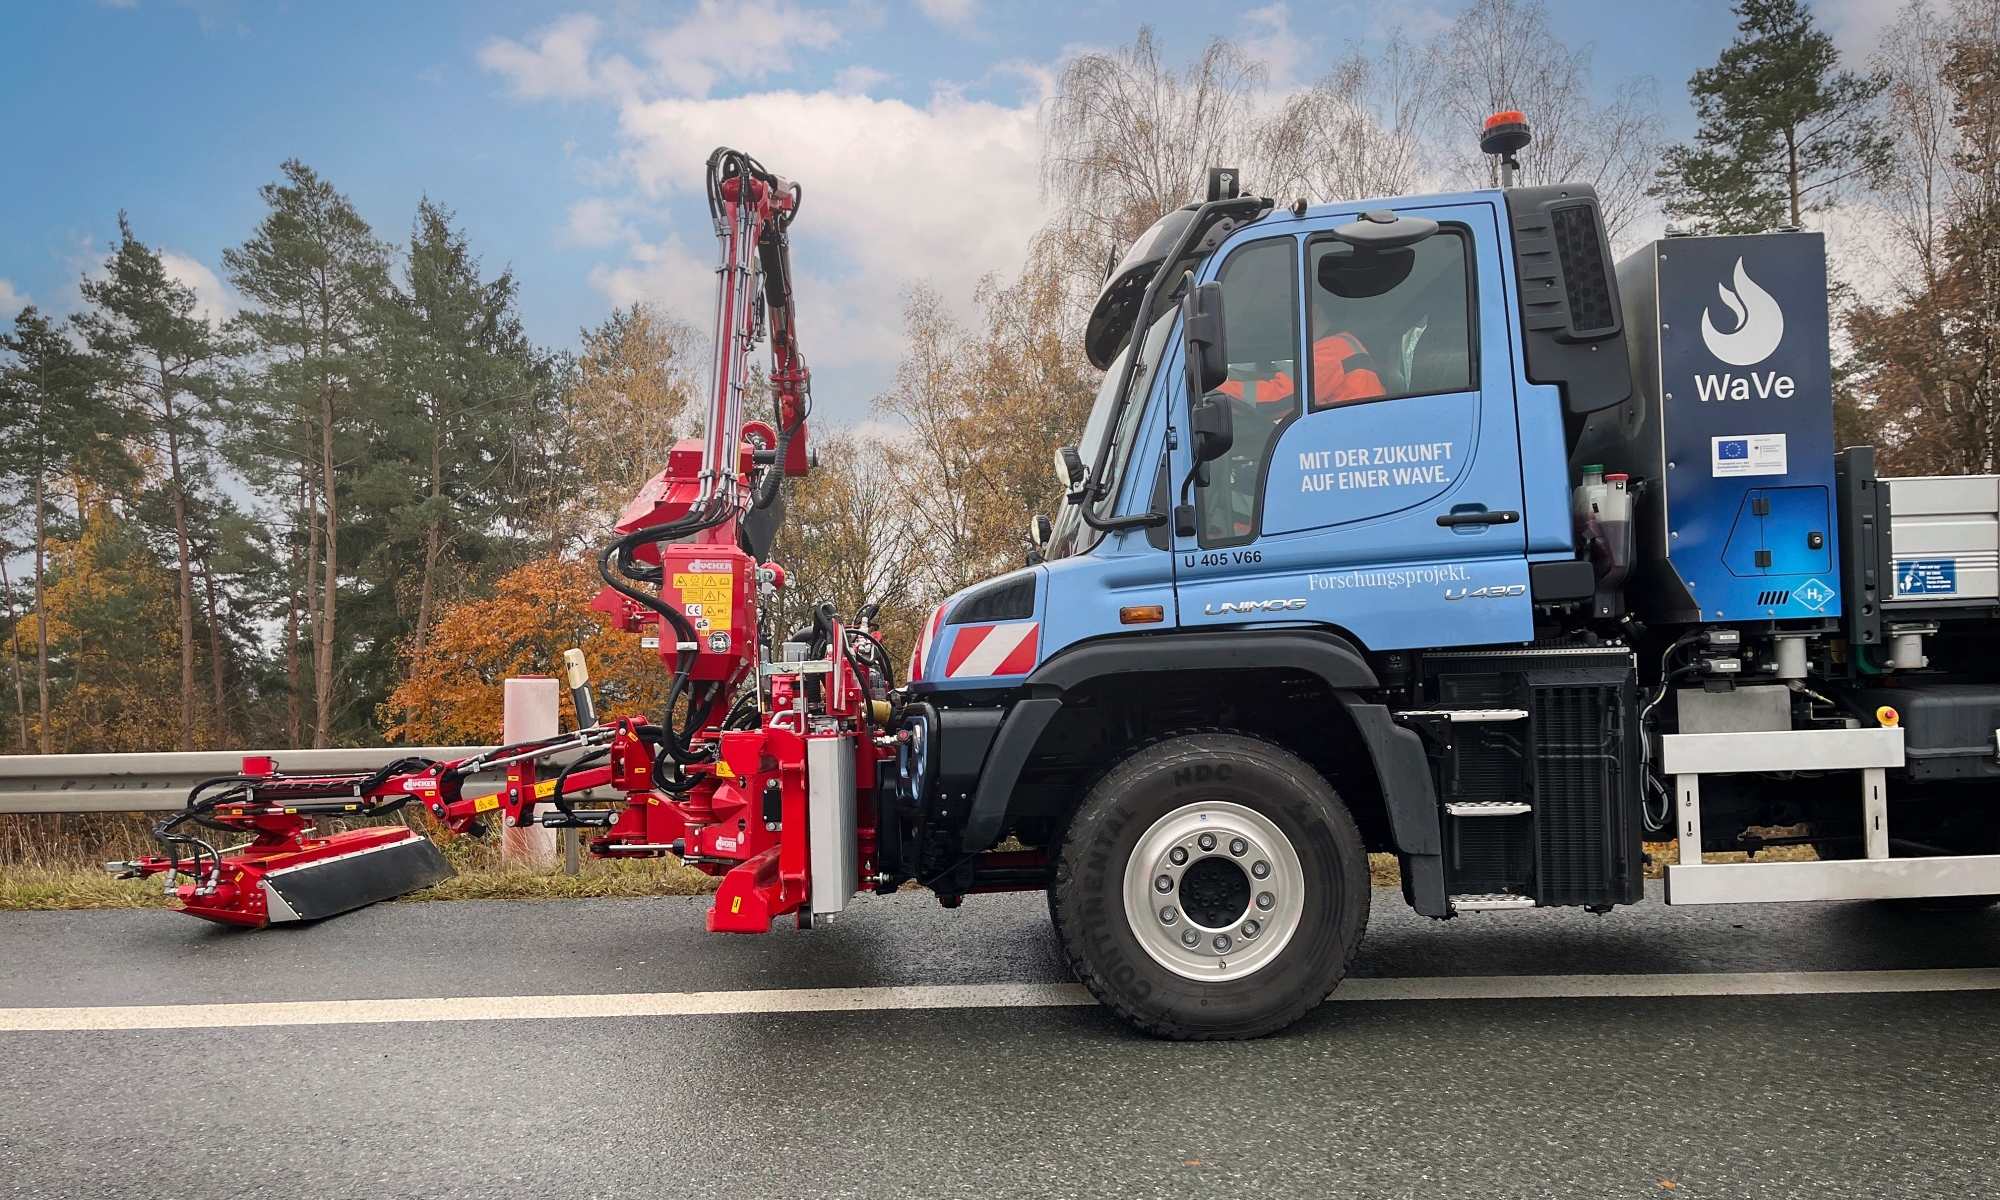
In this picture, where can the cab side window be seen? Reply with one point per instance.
(1390, 323)
(1260, 308)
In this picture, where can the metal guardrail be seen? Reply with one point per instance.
(67, 783)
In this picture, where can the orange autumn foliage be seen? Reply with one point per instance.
(453, 694)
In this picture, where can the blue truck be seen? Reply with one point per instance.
(1419, 527)
(1426, 527)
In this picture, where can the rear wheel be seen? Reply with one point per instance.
(1211, 886)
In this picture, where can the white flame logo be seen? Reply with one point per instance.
(1760, 323)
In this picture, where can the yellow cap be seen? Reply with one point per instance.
(1887, 717)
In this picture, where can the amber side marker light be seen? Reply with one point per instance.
(1144, 614)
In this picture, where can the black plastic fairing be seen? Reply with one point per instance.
(1116, 312)
(1572, 324)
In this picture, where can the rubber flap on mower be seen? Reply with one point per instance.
(332, 886)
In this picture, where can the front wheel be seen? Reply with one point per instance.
(1211, 886)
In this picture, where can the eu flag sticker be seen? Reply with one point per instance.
(1747, 454)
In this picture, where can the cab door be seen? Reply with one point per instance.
(1374, 479)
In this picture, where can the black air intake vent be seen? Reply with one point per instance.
(1572, 320)
(1581, 254)
(1009, 599)
(1773, 599)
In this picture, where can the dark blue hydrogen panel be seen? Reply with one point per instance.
(1747, 416)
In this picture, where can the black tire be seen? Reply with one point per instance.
(1087, 898)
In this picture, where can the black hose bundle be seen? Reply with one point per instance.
(236, 788)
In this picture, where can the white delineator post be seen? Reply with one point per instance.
(532, 707)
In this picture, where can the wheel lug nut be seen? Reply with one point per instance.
(1260, 868)
(1238, 847)
(1168, 916)
(1221, 942)
(1265, 900)
(1206, 841)
(1190, 939)
(1251, 929)
(1177, 855)
(1164, 884)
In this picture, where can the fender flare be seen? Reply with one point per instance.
(1329, 656)
(1401, 766)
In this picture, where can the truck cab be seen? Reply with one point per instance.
(1387, 534)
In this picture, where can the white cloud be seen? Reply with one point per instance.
(1856, 26)
(716, 42)
(894, 194)
(598, 221)
(859, 80)
(1268, 38)
(11, 301)
(214, 302)
(956, 13)
(735, 41)
(558, 66)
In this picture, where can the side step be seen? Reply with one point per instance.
(1462, 716)
(1491, 902)
(1488, 808)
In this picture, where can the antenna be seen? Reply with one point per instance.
(1505, 133)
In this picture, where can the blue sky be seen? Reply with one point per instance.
(568, 137)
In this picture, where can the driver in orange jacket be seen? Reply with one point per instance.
(1342, 371)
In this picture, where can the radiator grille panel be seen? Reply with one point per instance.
(1579, 783)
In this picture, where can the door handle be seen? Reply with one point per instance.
(1504, 517)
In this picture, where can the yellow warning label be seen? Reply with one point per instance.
(722, 770)
(544, 790)
(486, 803)
(736, 905)
(707, 599)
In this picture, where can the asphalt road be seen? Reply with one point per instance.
(1764, 1096)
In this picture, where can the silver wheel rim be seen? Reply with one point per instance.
(1167, 900)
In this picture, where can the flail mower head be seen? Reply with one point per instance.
(282, 873)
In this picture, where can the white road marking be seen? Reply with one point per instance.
(984, 995)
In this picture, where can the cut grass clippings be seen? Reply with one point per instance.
(38, 876)
(47, 889)
(50, 862)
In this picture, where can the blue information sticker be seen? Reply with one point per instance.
(1926, 577)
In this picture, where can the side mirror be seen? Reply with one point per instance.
(1212, 428)
(1070, 469)
(1201, 335)
(1040, 530)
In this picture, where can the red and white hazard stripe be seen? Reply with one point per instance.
(993, 650)
(922, 653)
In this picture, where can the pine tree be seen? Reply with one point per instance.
(161, 356)
(54, 421)
(462, 369)
(317, 279)
(1782, 127)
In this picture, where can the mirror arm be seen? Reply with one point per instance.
(1144, 520)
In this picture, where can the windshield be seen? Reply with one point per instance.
(1071, 535)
